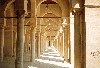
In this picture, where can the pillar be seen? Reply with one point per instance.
(41, 44)
(12, 39)
(61, 44)
(2, 43)
(26, 43)
(20, 39)
(44, 42)
(77, 40)
(66, 43)
(83, 38)
(38, 43)
(33, 45)
(57, 44)
(83, 34)
(43, 48)
(50, 41)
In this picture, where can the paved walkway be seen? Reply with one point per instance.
(50, 59)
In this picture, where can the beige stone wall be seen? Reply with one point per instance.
(92, 37)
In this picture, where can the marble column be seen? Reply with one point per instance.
(61, 44)
(44, 42)
(12, 39)
(66, 43)
(41, 44)
(2, 43)
(43, 48)
(77, 39)
(33, 46)
(83, 37)
(57, 44)
(26, 43)
(54, 43)
(50, 41)
(20, 39)
(38, 43)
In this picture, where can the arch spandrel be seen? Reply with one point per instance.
(52, 8)
(63, 4)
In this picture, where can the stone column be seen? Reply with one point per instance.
(77, 39)
(2, 43)
(43, 48)
(57, 44)
(50, 41)
(26, 43)
(33, 45)
(61, 44)
(15, 43)
(66, 43)
(20, 39)
(83, 37)
(41, 44)
(12, 39)
(38, 43)
(44, 42)
(54, 44)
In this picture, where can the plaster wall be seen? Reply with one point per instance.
(92, 19)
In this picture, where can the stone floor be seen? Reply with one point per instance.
(49, 59)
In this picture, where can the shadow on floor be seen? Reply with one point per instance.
(48, 59)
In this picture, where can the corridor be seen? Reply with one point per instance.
(49, 33)
(50, 59)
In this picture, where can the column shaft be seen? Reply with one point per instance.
(26, 43)
(57, 44)
(33, 46)
(12, 40)
(83, 38)
(61, 44)
(38, 44)
(66, 43)
(50, 41)
(2, 43)
(20, 39)
(77, 41)
(69, 48)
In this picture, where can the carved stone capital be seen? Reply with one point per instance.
(20, 13)
(1, 27)
(76, 12)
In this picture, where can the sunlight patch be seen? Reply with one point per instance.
(55, 63)
(60, 58)
(31, 67)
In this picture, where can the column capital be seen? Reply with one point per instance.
(76, 11)
(20, 13)
(1, 27)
